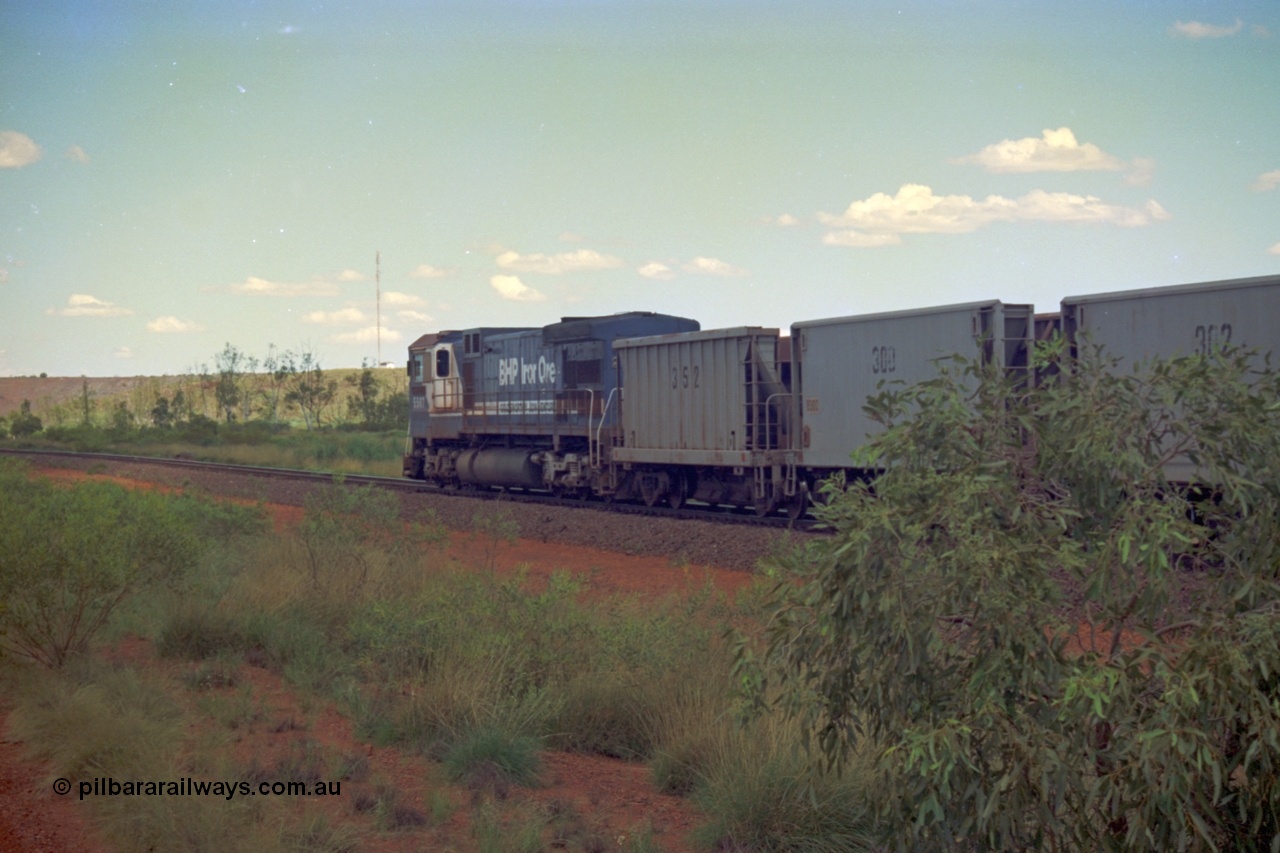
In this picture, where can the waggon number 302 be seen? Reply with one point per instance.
(1210, 339)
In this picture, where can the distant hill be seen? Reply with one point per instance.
(57, 390)
(45, 393)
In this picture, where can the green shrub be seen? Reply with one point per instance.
(70, 556)
(22, 423)
(346, 530)
(1052, 645)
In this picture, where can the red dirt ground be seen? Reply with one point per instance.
(612, 798)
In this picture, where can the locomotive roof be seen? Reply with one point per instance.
(626, 325)
(607, 326)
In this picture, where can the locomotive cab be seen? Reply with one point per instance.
(445, 388)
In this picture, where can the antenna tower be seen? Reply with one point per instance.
(377, 278)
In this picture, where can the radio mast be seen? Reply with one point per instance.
(377, 278)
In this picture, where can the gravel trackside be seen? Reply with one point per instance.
(728, 546)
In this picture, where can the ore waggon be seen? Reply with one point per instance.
(650, 407)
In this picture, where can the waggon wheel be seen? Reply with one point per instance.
(650, 490)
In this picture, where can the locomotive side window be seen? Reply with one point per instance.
(442, 363)
(580, 364)
(417, 367)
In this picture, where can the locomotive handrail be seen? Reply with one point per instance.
(604, 411)
(591, 408)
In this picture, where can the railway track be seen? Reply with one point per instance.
(690, 511)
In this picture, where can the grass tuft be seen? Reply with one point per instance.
(491, 758)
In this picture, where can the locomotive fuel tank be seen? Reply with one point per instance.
(508, 467)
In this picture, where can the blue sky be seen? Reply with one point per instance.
(179, 175)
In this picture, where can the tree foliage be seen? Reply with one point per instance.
(24, 423)
(1050, 645)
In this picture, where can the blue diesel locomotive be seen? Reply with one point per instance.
(528, 408)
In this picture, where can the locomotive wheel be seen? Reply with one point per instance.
(676, 496)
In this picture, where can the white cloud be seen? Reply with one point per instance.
(712, 266)
(414, 316)
(1140, 171)
(169, 324)
(255, 286)
(876, 221)
(1198, 30)
(583, 259)
(656, 270)
(392, 297)
(1274, 250)
(785, 220)
(1042, 206)
(351, 275)
(1055, 151)
(123, 352)
(915, 209)
(76, 154)
(84, 305)
(4, 276)
(366, 335)
(17, 150)
(511, 287)
(341, 317)
(428, 271)
(1266, 182)
(859, 240)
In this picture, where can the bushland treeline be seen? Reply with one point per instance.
(284, 388)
